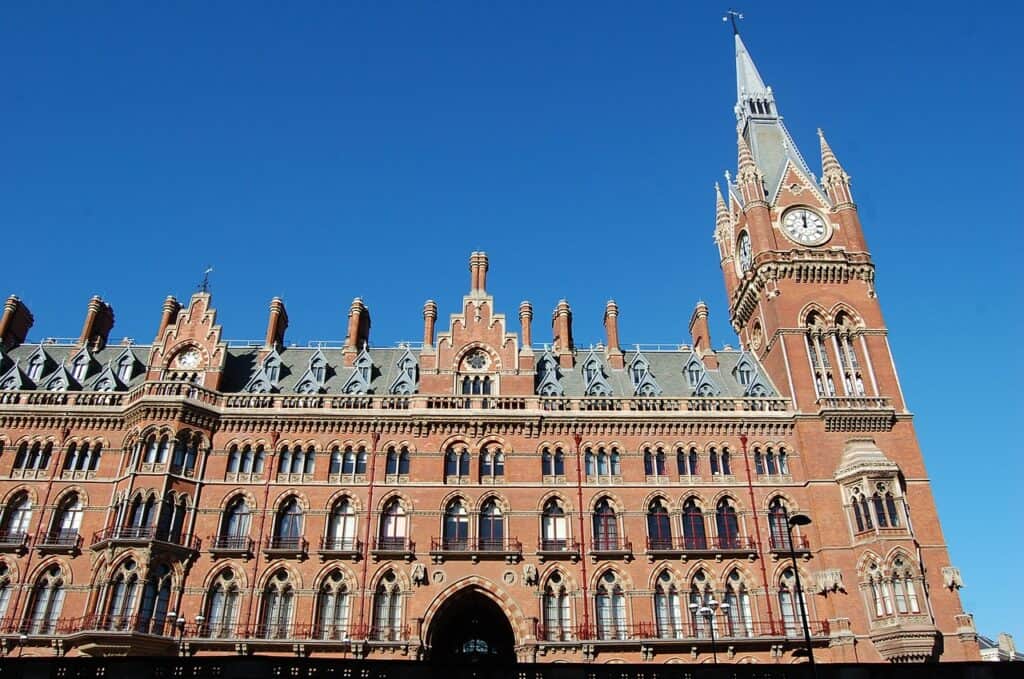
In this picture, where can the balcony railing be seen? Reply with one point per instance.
(295, 631)
(686, 630)
(554, 548)
(393, 547)
(229, 544)
(286, 545)
(11, 541)
(116, 623)
(59, 541)
(340, 546)
(135, 535)
(780, 544)
(701, 545)
(476, 548)
(607, 546)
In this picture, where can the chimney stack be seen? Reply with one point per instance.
(478, 273)
(525, 322)
(613, 352)
(277, 323)
(429, 319)
(99, 321)
(561, 324)
(358, 331)
(700, 335)
(15, 323)
(170, 315)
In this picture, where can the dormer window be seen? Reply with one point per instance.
(639, 370)
(124, 368)
(591, 371)
(35, 367)
(80, 367)
(319, 370)
(693, 372)
(744, 374)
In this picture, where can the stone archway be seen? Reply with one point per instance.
(469, 628)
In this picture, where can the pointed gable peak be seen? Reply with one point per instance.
(749, 84)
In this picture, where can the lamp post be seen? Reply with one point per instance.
(199, 624)
(708, 612)
(801, 520)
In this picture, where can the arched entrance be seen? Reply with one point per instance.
(470, 629)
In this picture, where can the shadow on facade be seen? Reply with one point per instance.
(470, 629)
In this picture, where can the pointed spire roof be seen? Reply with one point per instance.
(748, 79)
(721, 211)
(745, 157)
(829, 162)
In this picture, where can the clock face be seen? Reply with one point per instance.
(743, 251)
(805, 226)
(189, 359)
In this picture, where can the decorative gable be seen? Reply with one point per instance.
(594, 380)
(13, 379)
(698, 378)
(548, 375)
(362, 373)
(108, 380)
(81, 364)
(60, 380)
(266, 375)
(641, 377)
(126, 364)
(312, 381)
(408, 375)
(38, 364)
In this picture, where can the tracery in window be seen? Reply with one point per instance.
(554, 527)
(557, 609)
(738, 613)
(789, 604)
(694, 531)
(47, 601)
(668, 613)
(610, 607)
(456, 464)
(387, 609)
(333, 603)
(222, 606)
(277, 605)
(659, 526)
(701, 594)
(341, 526)
(122, 590)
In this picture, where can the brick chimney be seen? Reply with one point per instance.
(277, 323)
(613, 352)
(700, 334)
(99, 321)
(14, 323)
(358, 331)
(478, 265)
(526, 324)
(429, 321)
(170, 315)
(561, 325)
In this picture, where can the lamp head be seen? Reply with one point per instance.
(799, 520)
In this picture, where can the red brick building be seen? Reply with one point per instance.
(483, 495)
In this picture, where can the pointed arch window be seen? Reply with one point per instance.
(668, 613)
(234, 530)
(387, 609)
(694, 531)
(491, 530)
(341, 527)
(789, 604)
(5, 589)
(739, 613)
(606, 527)
(47, 602)
(701, 594)
(222, 606)
(66, 521)
(728, 525)
(16, 518)
(492, 464)
(659, 527)
(397, 462)
(122, 590)
(904, 591)
(610, 607)
(654, 462)
(156, 597)
(394, 526)
(278, 599)
(778, 526)
(36, 458)
(288, 525)
(456, 465)
(333, 603)
(720, 463)
(686, 461)
(455, 536)
(554, 527)
(557, 609)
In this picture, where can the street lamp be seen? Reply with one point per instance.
(708, 612)
(801, 520)
(199, 624)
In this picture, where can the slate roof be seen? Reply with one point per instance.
(60, 355)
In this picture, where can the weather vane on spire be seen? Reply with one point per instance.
(732, 15)
(204, 285)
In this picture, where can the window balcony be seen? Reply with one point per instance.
(684, 631)
(116, 623)
(340, 548)
(230, 545)
(285, 547)
(509, 549)
(558, 548)
(139, 536)
(59, 542)
(780, 546)
(611, 548)
(393, 548)
(14, 541)
(701, 547)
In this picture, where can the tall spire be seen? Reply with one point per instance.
(749, 84)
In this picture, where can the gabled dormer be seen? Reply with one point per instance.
(749, 377)
(641, 377)
(126, 365)
(362, 373)
(81, 364)
(312, 381)
(698, 378)
(60, 380)
(594, 379)
(266, 375)
(407, 379)
(108, 380)
(14, 379)
(548, 376)
(37, 365)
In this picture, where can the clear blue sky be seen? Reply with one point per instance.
(320, 151)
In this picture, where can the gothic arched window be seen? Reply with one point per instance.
(659, 527)
(554, 527)
(278, 598)
(727, 524)
(739, 615)
(156, 597)
(694, 531)
(455, 535)
(222, 606)
(778, 526)
(606, 527)
(668, 613)
(288, 525)
(610, 606)
(789, 604)
(341, 527)
(333, 603)
(234, 527)
(393, 526)
(17, 517)
(122, 590)
(67, 519)
(491, 531)
(557, 609)
(701, 614)
(47, 601)
(387, 609)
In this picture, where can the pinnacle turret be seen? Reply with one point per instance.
(834, 179)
